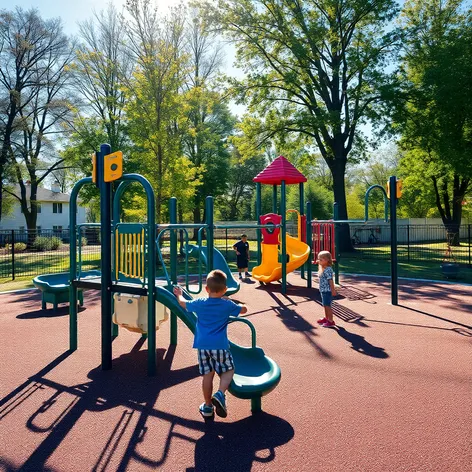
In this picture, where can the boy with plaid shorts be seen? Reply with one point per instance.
(211, 340)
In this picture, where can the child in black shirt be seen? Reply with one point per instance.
(242, 256)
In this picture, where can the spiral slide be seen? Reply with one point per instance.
(270, 269)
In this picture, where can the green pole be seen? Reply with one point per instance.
(309, 240)
(283, 211)
(258, 215)
(73, 337)
(173, 265)
(105, 262)
(209, 231)
(393, 239)
(274, 199)
(336, 239)
(301, 191)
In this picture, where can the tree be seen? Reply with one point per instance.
(154, 105)
(208, 120)
(316, 68)
(434, 114)
(241, 188)
(42, 53)
(101, 66)
(29, 47)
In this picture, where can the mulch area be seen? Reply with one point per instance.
(387, 390)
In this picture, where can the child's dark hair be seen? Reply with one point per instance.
(216, 281)
(243, 236)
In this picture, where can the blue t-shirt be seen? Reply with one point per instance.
(212, 321)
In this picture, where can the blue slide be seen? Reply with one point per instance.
(219, 262)
(255, 374)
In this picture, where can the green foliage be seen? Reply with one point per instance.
(19, 247)
(433, 107)
(314, 71)
(43, 243)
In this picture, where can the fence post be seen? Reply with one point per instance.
(408, 239)
(13, 254)
(468, 237)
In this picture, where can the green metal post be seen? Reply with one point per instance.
(309, 241)
(73, 338)
(301, 191)
(173, 264)
(283, 211)
(274, 199)
(336, 254)
(393, 239)
(105, 262)
(258, 215)
(209, 231)
(256, 404)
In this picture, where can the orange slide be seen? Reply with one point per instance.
(271, 269)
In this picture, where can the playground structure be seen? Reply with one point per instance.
(132, 296)
(130, 293)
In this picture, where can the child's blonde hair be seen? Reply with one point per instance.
(327, 255)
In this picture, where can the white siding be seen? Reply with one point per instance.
(46, 219)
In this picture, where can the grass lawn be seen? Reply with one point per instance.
(414, 270)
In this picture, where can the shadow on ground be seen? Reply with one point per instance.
(230, 446)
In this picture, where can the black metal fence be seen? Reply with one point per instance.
(27, 254)
(416, 243)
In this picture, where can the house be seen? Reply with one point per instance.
(53, 211)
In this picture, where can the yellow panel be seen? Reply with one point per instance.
(117, 253)
(135, 248)
(94, 168)
(113, 166)
(139, 255)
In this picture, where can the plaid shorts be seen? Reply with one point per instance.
(218, 360)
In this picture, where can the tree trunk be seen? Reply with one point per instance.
(344, 243)
(196, 219)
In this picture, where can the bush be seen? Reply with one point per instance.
(19, 247)
(42, 243)
(84, 241)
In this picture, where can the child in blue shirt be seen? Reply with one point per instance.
(211, 339)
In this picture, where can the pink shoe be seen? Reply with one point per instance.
(322, 321)
(328, 324)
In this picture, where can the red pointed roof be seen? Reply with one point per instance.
(278, 170)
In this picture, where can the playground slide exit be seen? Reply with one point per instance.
(270, 269)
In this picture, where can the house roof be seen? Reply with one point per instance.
(43, 194)
(278, 170)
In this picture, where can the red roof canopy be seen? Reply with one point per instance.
(278, 170)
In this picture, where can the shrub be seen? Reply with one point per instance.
(42, 243)
(19, 247)
(84, 241)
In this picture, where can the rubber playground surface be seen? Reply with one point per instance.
(389, 389)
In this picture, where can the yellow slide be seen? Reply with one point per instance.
(271, 269)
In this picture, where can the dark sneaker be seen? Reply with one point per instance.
(247, 275)
(219, 401)
(328, 324)
(240, 277)
(206, 411)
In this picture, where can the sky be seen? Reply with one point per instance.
(73, 12)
